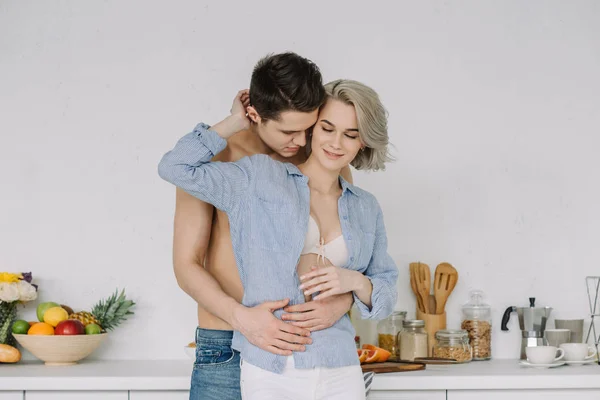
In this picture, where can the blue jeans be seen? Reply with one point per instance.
(216, 374)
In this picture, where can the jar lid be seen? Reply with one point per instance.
(398, 314)
(476, 300)
(451, 334)
(476, 308)
(413, 323)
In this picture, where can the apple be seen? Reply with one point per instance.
(69, 327)
(42, 307)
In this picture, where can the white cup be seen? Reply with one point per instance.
(578, 351)
(543, 354)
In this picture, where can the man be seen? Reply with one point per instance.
(286, 91)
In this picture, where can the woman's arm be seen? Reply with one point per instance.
(188, 165)
(382, 273)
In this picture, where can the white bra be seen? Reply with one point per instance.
(335, 251)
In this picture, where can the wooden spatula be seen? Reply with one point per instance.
(413, 284)
(424, 285)
(444, 282)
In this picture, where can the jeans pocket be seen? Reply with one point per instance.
(213, 357)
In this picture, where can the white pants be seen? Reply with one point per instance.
(345, 383)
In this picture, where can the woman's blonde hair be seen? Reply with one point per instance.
(372, 122)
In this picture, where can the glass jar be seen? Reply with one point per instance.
(453, 345)
(412, 340)
(477, 321)
(387, 332)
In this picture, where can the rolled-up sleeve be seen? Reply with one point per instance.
(383, 274)
(189, 167)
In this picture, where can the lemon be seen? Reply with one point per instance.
(55, 315)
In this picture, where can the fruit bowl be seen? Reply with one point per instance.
(60, 349)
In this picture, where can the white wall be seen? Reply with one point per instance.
(494, 113)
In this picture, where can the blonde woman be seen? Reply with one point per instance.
(301, 233)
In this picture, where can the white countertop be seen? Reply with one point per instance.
(491, 375)
(175, 375)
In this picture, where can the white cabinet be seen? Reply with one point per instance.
(548, 394)
(407, 395)
(159, 395)
(77, 395)
(11, 395)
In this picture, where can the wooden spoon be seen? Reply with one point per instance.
(446, 277)
(413, 284)
(424, 285)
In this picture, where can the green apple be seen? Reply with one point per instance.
(92, 329)
(42, 307)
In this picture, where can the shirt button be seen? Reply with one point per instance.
(351, 258)
(349, 237)
(345, 217)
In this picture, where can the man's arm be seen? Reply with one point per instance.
(191, 233)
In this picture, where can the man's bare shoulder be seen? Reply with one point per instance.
(243, 144)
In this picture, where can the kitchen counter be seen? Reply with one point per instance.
(491, 375)
(175, 375)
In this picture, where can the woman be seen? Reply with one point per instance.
(300, 233)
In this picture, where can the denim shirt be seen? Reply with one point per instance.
(268, 204)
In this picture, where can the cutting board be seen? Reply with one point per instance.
(380, 368)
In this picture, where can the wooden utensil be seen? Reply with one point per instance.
(413, 284)
(432, 303)
(424, 285)
(445, 279)
(401, 366)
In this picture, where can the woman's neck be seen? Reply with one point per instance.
(320, 179)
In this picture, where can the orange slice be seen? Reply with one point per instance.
(362, 355)
(372, 356)
(383, 354)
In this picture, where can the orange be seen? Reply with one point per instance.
(362, 355)
(41, 328)
(383, 354)
(32, 322)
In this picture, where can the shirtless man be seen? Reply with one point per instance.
(286, 92)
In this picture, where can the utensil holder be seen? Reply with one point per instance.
(433, 323)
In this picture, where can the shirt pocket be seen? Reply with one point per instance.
(272, 224)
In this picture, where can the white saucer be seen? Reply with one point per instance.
(584, 362)
(526, 363)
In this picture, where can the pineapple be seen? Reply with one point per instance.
(107, 313)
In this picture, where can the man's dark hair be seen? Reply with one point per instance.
(285, 82)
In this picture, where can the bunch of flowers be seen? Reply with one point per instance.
(14, 288)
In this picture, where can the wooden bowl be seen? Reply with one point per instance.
(61, 349)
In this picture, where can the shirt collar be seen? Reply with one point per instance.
(292, 169)
(348, 186)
